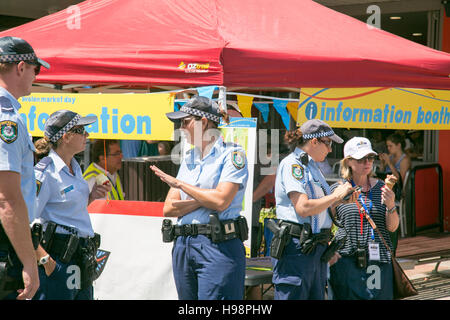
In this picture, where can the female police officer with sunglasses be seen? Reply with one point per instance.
(302, 198)
(209, 187)
(67, 247)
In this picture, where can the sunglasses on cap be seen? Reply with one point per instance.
(78, 130)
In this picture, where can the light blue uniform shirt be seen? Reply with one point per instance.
(226, 162)
(292, 175)
(16, 148)
(62, 197)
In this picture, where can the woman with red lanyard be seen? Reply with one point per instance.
(363, 270)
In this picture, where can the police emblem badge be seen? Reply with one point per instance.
(8, 131)
(297, 171)
(238, 159)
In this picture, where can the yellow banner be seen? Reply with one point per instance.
(381, 108)
(120, 116)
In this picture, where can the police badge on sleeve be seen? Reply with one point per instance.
(8, 131)
(238, 159)
(297, 171)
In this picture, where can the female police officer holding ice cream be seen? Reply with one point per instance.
(208, 256)
(302, 198)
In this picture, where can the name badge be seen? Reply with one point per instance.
(374, 251)
(67, 189)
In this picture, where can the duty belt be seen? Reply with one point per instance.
(60, 244)
(216, 230)
(230, 228)
(296, 230)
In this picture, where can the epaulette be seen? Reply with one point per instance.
(6, 104)
(43, 164)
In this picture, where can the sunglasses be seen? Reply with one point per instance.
(186, 121)
(78, 130)
(37, 66)
(368, 158)
(328, 143)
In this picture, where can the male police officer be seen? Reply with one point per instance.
(19, 66)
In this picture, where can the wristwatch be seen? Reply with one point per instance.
(43, 260)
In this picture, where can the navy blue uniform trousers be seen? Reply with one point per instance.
(349, 282)
(204, 270)
(298, 276)
(62, 284)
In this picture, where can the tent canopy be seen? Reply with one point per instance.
(235, 43)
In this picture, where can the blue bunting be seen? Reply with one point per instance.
(280, 106)
(206, 91)
(264, 109)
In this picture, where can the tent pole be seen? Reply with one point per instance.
(223, 98)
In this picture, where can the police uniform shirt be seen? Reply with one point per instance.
(292, 176)
(16, 148)
(226, 162)
(62, 197)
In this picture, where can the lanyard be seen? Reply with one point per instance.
(365, 208)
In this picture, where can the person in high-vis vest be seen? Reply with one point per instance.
(108, 167)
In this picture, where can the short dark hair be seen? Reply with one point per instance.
(98, 146)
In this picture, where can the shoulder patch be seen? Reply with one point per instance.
(6, 104)
(8, 131)
(43, 164)
(297, 171)
(238, 159)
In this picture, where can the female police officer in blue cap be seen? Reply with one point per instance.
(302, 198)
(209, 187)
(66, 255)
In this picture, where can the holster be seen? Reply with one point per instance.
(168, 231)
(281, 236)
(88, 261)
(36, 234)
(217, 230)
(47, 237)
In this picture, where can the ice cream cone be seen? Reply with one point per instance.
(390, 181)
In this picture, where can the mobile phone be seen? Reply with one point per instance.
(356, 189)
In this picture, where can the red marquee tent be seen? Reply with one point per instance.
(251, 43)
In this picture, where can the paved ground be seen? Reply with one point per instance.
(430, 286)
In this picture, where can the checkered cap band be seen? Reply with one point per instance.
(199, 113)
(65, 129)
(6, 58)
(318, 135)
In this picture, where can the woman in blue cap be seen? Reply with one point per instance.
(302, 200)
(208, 256)
(66, 256)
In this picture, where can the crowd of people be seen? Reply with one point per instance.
(206, 196)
